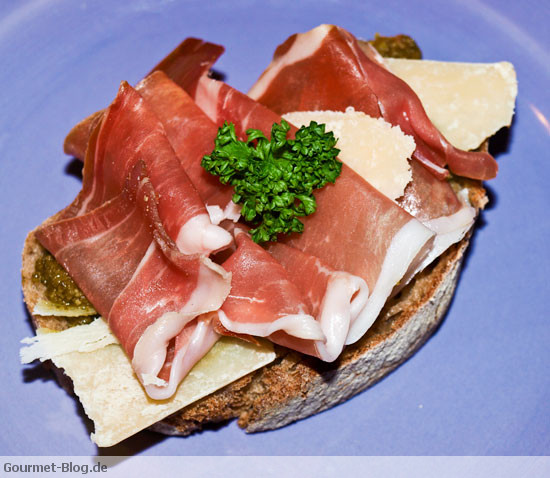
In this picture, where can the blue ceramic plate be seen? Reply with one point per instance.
(481, 383)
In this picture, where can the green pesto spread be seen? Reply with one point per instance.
(398, 46)
(60, 288)
(81, 320)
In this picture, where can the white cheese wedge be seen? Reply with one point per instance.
(109, 391)
(467, 102)
(371, 147)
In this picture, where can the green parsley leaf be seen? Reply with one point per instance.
(274, 179)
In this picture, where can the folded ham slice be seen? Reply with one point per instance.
(291, 298)
(150, 297)
(100, 250)
(222, 102)
(334, 298)
(263, 300)
(362, 232)
(134, 241)
(185, 64)
(325, 69)
(355, 229)
(131, 132)
(155, 317)
(190, 132)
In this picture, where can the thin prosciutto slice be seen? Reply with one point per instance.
(116, 241)
(190, 60)
(190, 132)
(158, 317)
(185, 64)
(334, 298)
(131, 132)
(262, 299)
(222, 102)
(436, 205)
(291, 298)
(151, 294)
(325, 69)
(362, 232)
(355, 229)
(100, 250)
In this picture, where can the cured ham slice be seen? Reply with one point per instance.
(116, 241)
(190, 60)
(155, 313)
(223, 103)
(326, 69)
(130, 132)
(185, 64)
(355, 229)
(359, 230)
(298, 302)
(150, 297)
(190, 132)
(262, 299)
(100, 250)
(436, 205)
(334, 298)
(302, 77)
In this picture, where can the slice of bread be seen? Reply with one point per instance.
(295, 386)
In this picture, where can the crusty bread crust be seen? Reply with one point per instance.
(295, 386)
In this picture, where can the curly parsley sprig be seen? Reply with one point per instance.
(274, 179)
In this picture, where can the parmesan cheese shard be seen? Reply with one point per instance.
(467, 102)
(111, 394)
(372, 147)
(83, 338)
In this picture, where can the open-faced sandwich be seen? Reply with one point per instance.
(261, 256)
